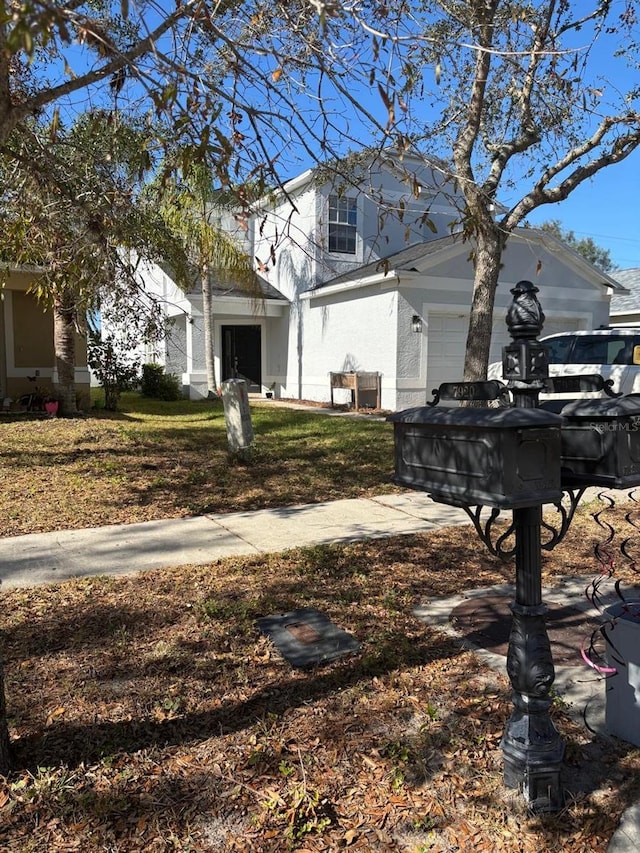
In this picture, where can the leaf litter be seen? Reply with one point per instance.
(148, 713)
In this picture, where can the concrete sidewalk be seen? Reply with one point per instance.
(43, 558)
(125, 548)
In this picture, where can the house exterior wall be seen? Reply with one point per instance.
(346, 334)
(285, 242)
(35, 347)
(26, 338)
(370, 327)
(411, 377)
(183, 349)
(366, 325)
(276, 344)
(188, 353)
(176, 346)
(401, 211)
(442, 297)
(392, 214)
(630, 319)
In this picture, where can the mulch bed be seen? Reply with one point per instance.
(486, 622)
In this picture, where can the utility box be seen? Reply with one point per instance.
(237, 415)
(601, 443)
(622, 702)
(505, 458)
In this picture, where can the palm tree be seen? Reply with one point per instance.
(80, 217)
(191, 208)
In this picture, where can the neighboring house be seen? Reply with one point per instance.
(26, 341)
(625, 309)
(365, 274)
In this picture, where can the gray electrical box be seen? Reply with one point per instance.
(622, 705)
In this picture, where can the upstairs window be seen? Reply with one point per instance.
(343, 222)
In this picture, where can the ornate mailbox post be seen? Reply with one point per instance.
(520, 458)
(532, 748)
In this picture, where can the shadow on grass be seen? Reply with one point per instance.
(269, 698)
(72, 744)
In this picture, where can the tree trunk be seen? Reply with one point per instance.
(490, 245)
(64, 338)
(209, 342)
(5, 747)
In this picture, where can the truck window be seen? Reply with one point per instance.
(601, 349)
(558, 349)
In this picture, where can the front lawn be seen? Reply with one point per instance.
(167, 460)
(148, 713)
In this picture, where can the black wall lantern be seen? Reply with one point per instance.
(416, 323)
(520, 458)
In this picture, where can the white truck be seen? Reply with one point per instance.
(614, 353)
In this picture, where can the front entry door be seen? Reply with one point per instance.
(242, 354)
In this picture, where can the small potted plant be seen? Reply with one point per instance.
(51, 406)
(270, 393)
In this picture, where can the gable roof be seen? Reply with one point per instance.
(630, 301)
(406, 260)
(420, 256)
(224, 284)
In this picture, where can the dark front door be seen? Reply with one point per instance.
(241, 354)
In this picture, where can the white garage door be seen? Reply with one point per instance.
(447, 338)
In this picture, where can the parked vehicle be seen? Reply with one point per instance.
(613, 353)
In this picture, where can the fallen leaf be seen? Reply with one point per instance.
(52, 715)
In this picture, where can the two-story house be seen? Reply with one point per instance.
(367, 271)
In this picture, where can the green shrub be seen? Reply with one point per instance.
(151, 376)
(159, 385)
(116, 369)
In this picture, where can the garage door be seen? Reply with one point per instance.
(447, 339)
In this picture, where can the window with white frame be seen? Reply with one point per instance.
(343, 224)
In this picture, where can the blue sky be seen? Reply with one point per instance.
(606, 208)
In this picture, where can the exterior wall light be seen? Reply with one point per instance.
(416, 323)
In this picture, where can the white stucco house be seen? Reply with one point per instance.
(366, 273)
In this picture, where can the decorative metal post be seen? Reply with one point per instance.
(519, 458)
(532, 748)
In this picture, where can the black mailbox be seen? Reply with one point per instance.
(601, 443)
(504, 458)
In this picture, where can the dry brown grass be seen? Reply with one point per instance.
(169, 460)
(148, 713)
